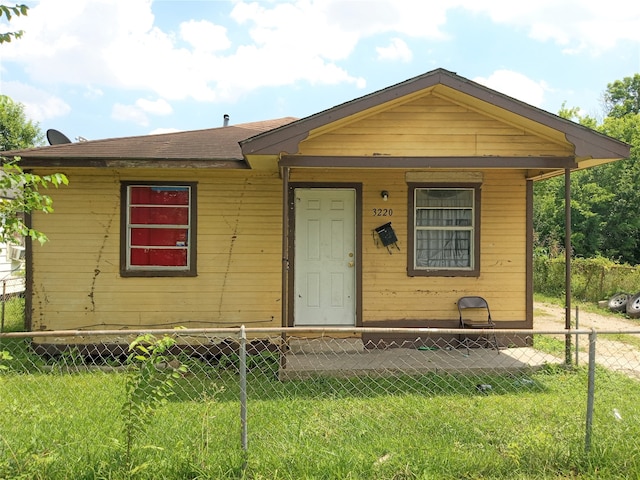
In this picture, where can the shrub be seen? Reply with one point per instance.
(592, 279)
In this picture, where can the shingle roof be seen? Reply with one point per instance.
(232, 146)
(208, 144)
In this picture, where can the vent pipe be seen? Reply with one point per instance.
(225, 120)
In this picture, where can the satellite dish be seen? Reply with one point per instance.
(56, 138)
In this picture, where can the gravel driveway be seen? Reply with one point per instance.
(550, 317)
(614, 352)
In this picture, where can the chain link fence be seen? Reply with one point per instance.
(267, 403)
(12, 304)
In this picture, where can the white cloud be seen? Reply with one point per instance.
(129, 113)
(409, 17)
(93, 92)
(159, 131)
(118, 44)
(579, 25)
(397, 50)
(102, 43)
(516, 85)
(139, 112)
(38, 104)
(205, 36)
(158, 107)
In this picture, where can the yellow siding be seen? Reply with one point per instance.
(388, 293)
(431, 126)
(76, 280)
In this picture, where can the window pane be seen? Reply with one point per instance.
(442, 197)
(159, 257)
(444, 218)
(159, 195)
(153, 237)
(158, 229)
(159, 215)
(443, 249)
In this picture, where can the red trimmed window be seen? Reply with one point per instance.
(159, 228)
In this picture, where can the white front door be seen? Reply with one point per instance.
(325, 242)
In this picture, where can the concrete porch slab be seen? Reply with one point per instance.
(348, 358)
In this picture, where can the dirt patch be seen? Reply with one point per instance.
(611, 353)
(551, 317)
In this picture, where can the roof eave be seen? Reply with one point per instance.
(285, 139)
(87, 162)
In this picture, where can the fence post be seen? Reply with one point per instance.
(243, 388)
(590, 389)
(577, 335)
(4, 297)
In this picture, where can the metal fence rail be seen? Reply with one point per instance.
(216, 396)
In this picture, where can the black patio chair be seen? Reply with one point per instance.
(477, 303)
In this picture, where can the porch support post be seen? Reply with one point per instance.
(285, 246)
(567, 262)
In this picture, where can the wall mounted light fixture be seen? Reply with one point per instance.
(385, 195)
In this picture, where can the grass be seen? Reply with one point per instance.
(58, 425)
(13, 320)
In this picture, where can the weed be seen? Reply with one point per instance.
(148, 385)
(4, 356)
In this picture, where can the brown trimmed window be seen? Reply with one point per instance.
(444, 228)
(158, 229)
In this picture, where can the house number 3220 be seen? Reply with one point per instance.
(382, 212)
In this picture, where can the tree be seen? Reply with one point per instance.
(622, 97)
(19, 194)
(621, 230)
(19, 190)
(10, 12)
(16, 130)
(605, 199)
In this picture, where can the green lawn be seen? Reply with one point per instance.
(57, 425)
(60, 423)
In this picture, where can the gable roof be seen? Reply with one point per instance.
(590, 147)
(214, 147)
(278, 141)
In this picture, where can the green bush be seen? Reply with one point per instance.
(592, 279)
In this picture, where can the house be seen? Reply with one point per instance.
(11, 267)
(11, 263)
(381, 211)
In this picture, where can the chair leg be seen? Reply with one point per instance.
(491, 339)
(464, 339)
(495, 342)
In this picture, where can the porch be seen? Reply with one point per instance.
(348, 357)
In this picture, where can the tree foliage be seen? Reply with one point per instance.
(9, 12)
(20, 191)
(19, 194)
(622, 97)
(16, 130)
(605, 200)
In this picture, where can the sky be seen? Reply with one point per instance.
(95, 69)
